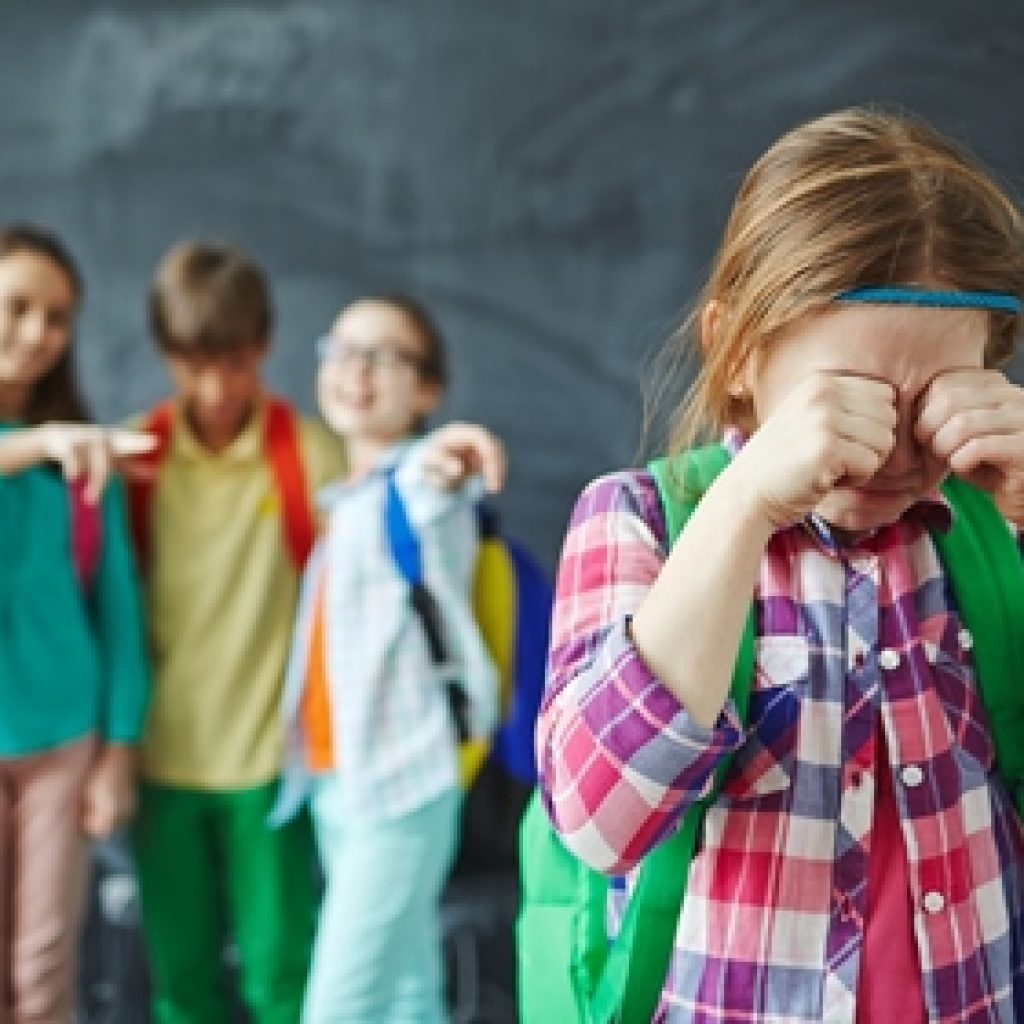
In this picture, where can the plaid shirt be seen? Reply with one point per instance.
(392, 727)
(849, 642)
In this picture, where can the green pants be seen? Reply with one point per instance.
(211, 871)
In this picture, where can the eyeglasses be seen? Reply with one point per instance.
(385, 358)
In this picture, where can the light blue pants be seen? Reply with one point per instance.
(377, 956)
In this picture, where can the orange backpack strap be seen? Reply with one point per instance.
(142, 480)
(281, 443)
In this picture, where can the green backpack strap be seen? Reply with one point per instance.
(983, 562)
(637, 964)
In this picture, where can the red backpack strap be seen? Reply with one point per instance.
(142, 480)
(281, 443)
(86, 534)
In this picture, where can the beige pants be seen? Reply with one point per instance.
(43, 864)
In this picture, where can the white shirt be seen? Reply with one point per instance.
(394, 739)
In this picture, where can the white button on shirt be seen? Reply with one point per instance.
(934, 902)
(889, 659)
(912, 775)
(965, 639)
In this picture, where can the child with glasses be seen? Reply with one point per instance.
(372, 737)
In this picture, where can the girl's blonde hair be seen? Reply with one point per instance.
(855, 198)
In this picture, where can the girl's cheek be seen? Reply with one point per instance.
(323, 387)
(60, 342)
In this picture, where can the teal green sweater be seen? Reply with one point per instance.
(70, 663)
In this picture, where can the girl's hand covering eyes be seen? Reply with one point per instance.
(973, 420)
(831, 429)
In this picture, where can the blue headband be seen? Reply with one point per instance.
(999, 302)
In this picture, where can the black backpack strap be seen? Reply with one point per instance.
(408, 556)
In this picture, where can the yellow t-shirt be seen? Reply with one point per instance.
(222, 592)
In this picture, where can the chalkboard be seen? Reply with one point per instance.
(550, 177)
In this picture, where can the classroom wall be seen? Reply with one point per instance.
(550, 176)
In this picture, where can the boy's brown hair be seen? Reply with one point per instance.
(209, 298)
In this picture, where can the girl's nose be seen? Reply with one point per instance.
(32, 328)
(907, 454)
(211, 388)
(363, 364)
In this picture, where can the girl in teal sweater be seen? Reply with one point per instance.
(73, 674)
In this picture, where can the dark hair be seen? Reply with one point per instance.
(433, 366)
(210, 298)
(56, 395)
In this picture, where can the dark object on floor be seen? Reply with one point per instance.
(114, 980)
(478, 920)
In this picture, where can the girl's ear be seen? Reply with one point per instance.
(741, 385)
(710, 322)
(428, 395)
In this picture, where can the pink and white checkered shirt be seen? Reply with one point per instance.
(855, 645)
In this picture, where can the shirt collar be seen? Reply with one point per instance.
(932, 512)
(386, 462)
(246, 447)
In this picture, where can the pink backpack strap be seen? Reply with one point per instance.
(86, 534)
